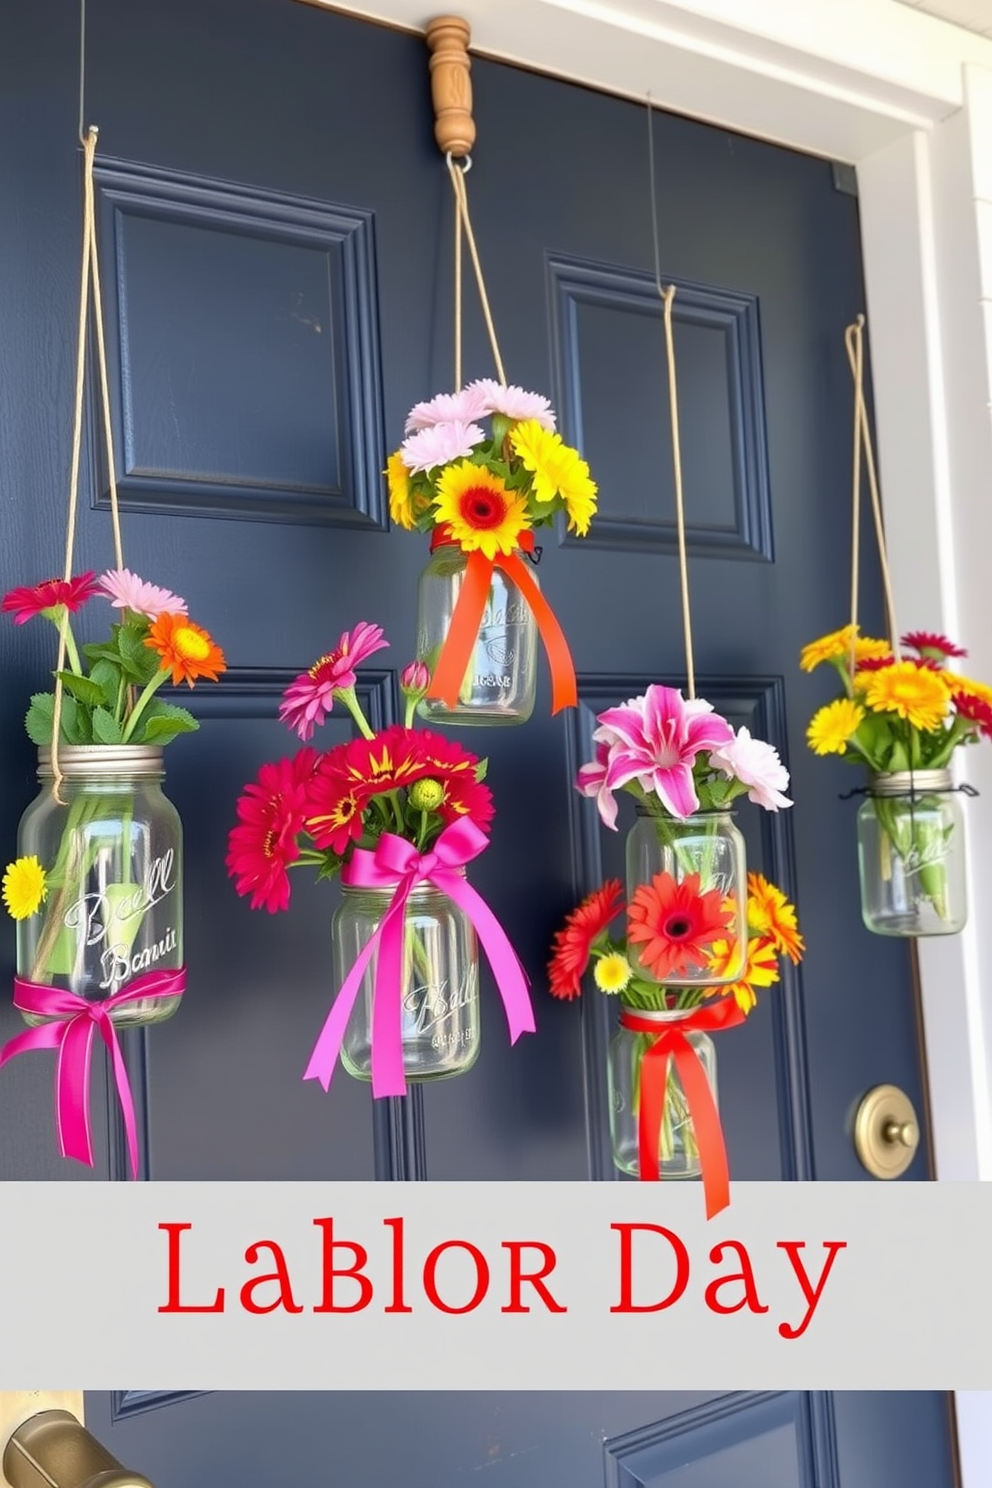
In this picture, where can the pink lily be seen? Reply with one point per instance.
(591, 781)
(655, 740)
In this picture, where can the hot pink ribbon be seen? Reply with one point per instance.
(396, 864)
(72, 1036)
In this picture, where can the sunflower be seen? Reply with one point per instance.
(612, 972)
(24, 888)
(760, 969)
(837, 647)
(675, 924)
(480, 512)
(832, 728)
(400, 495)
(913, 692)
(572, 944)
(557, 470)
(187, 650)
(771, 917)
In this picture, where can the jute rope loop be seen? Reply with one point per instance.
(854, 342)
(463, 220)
(89, 277)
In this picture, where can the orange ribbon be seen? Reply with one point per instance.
(670, 1041)
(466, 619)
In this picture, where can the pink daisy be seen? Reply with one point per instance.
(41, 599)
(308, 700)
(656, 739)
(514, 403)
(448, 408)
(440, 444)
(127, 592)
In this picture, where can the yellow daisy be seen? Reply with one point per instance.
(914, 693)
(837, 647)
(400, 498)
(770, 915)
(24, 887)
(481, 513)
(760, 969)
(611, 973)
(830, 730)
(557, 470)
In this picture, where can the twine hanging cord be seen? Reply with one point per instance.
(463, 221)
(854, 342)
(89, 276)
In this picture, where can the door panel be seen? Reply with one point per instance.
(276, 235)
(594, 1439)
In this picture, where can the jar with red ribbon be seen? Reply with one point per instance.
(674, 1140)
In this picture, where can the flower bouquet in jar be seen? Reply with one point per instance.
(397, 814)
(481, 494)
(902, 717)
(664, 1120)
(685, 767)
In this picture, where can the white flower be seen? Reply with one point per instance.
(755, 764)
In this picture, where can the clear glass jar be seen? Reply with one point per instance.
(708, 844)
(111, 848)
(678, 1155)
(440, 972)
(500, 683)
(911, 855)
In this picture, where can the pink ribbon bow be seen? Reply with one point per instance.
(396, 864)
(72, 1036)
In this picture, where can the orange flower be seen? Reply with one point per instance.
(572, 944)
(675, 924)
(186, 649)
(760, 969)
(769, 914)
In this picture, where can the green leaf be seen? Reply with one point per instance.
(107, 676)
(482, 769)
(140, 662)
(83, 688)
(38, 722)
(75, 727)
(106, 729)
(162, 722)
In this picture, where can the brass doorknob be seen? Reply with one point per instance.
(52, 1450)
(886, 1132)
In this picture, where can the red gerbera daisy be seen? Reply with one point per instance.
(573, 943)
(675, 924)
(271, 815)
(931, 645)
(392, 759)
(975, 708)
(875, 663)
(39, 599)
(334, 808)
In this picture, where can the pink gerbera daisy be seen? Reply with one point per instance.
(449, 408)
(655, 740)
(439, 444)
(127, 592)
(271, 812)
(47, 597)
(514, 402)
(308, 700)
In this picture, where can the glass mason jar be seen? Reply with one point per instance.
(111, 848)
(439, 997)
(500, 682)
(911, 855)
(678, 1155)
(708, 844)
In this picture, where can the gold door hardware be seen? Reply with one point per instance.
(451, 87)
(886, 1132)
(52, 1450)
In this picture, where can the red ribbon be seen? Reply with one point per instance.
(470, 606)
(670, 1040)
(72, 1036)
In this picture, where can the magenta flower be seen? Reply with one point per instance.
(127, 592)
(591, 781)
(308, 700)
(439, 445)
(449, 408)
(414, 679)
(756, 765)
(655, 739)
(513, 402)
(46, 598)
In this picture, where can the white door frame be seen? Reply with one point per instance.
(907, 99)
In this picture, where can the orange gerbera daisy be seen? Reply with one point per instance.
(478, 509)
(573, 942)
(675, 924)
(771, 916)
(187, 650)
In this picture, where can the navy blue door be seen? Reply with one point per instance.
(529, 1440)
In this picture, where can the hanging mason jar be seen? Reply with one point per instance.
(500, 681)
(911, 855)
(439, 994)
(710, 846)
(110, 843)
(678, 1152)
